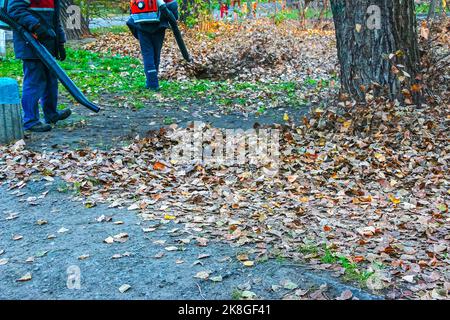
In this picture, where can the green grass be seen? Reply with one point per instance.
(352, 272)
(307, 249)
(113, 29)
(424, 8)
(294, 14)
(100, 75)
(329, 257)
(236, 294)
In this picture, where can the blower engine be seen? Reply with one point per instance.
(145, 11)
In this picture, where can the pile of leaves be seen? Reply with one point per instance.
(435, 49)
(257, 50)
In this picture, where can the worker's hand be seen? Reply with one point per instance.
(62, 52)
(43, 33)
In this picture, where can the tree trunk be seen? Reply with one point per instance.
(377, 45)
(75, 25)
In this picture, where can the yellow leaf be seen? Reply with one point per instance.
(169, 217)
(399, 53)
(242, 257)
(393, 199)
(380, 157)
(286, 117)
(249, 263)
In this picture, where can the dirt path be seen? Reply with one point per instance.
(115, 126)
(55, 237)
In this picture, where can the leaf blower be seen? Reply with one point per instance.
(150, 11)
(45, 57)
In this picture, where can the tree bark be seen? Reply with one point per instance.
(376, 53)
(68, 16)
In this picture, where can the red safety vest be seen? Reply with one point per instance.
(42, 5)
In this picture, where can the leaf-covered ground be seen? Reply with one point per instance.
(371, 204)
(256, 50)
(361, 190)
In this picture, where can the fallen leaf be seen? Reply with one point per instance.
(246, 294)
(26, 277)
(345, 295)
(249, 263)
(41, 222)
(216, 279)
(289, 285)
(159, 166)
(124, 288)
(202, 275)
(63, 230)
(109, 240)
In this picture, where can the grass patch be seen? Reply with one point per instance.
(352, 272)
(294, 14)
(236, 294)
(113, 29)
(100, 75)
(308, 249)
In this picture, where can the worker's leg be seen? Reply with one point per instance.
(49, 100)
(34, 84)
(158, 41)
(148, 54)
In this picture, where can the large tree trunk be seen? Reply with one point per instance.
(75, 25)
(376, 52)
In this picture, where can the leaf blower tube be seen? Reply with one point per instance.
(49, 61)
(176, 31)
